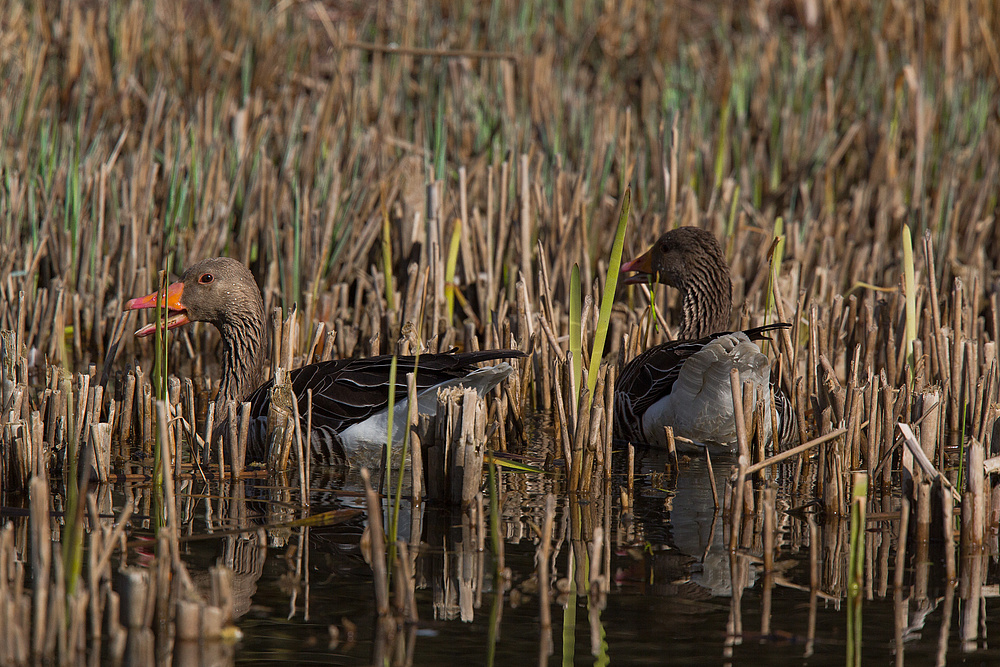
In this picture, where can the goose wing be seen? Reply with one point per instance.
(348, 391)
(651, 376)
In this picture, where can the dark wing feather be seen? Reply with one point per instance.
(648, 378)
(348, 391)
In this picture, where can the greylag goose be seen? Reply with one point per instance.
(349, 396)
(685, 383)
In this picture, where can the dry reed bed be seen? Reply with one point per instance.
(430, 199)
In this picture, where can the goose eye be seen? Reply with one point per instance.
(206, 278)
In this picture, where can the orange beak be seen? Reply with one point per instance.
(177, 313)
(643, 266)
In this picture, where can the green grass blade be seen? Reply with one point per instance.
(321, 519)
(394, 523)
(387, 256)
(608, 298)
(495, 538)
(569, 618)
(388, 453)
(513, 465)
(449, 270)
(392, 404)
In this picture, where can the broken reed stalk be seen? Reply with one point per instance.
(377, 541)
(795, 451)
(416, 448)
(301, 452)
(206, 452)
(596, 598)
(594, 445)
(672, 449)
(233, 442)
(468, 433)
(976, 494)
(167, 502)
(308, 447)
(60, 629)
(41, 562)
(564, 426)
(240, 455)
(770, 513)
(740, 479)
(948, 534)
(711, 478)
(814, 580)
(408, 585)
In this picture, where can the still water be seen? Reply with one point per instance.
(306, 595)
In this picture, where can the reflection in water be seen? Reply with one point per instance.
(681, 532)
(623, 579)
(697, 527)
(660, 574)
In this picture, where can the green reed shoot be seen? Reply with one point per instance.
(575, 342)
(392, 404)
(159, 465)
(495, 538)
(161, 345)
(394, 519)
(910, 290)
(855, 568)
(387, 260)
(387, 473)
(160, 341)
(449, 270)
(569, 615)
(494, 624)
(608, 298)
